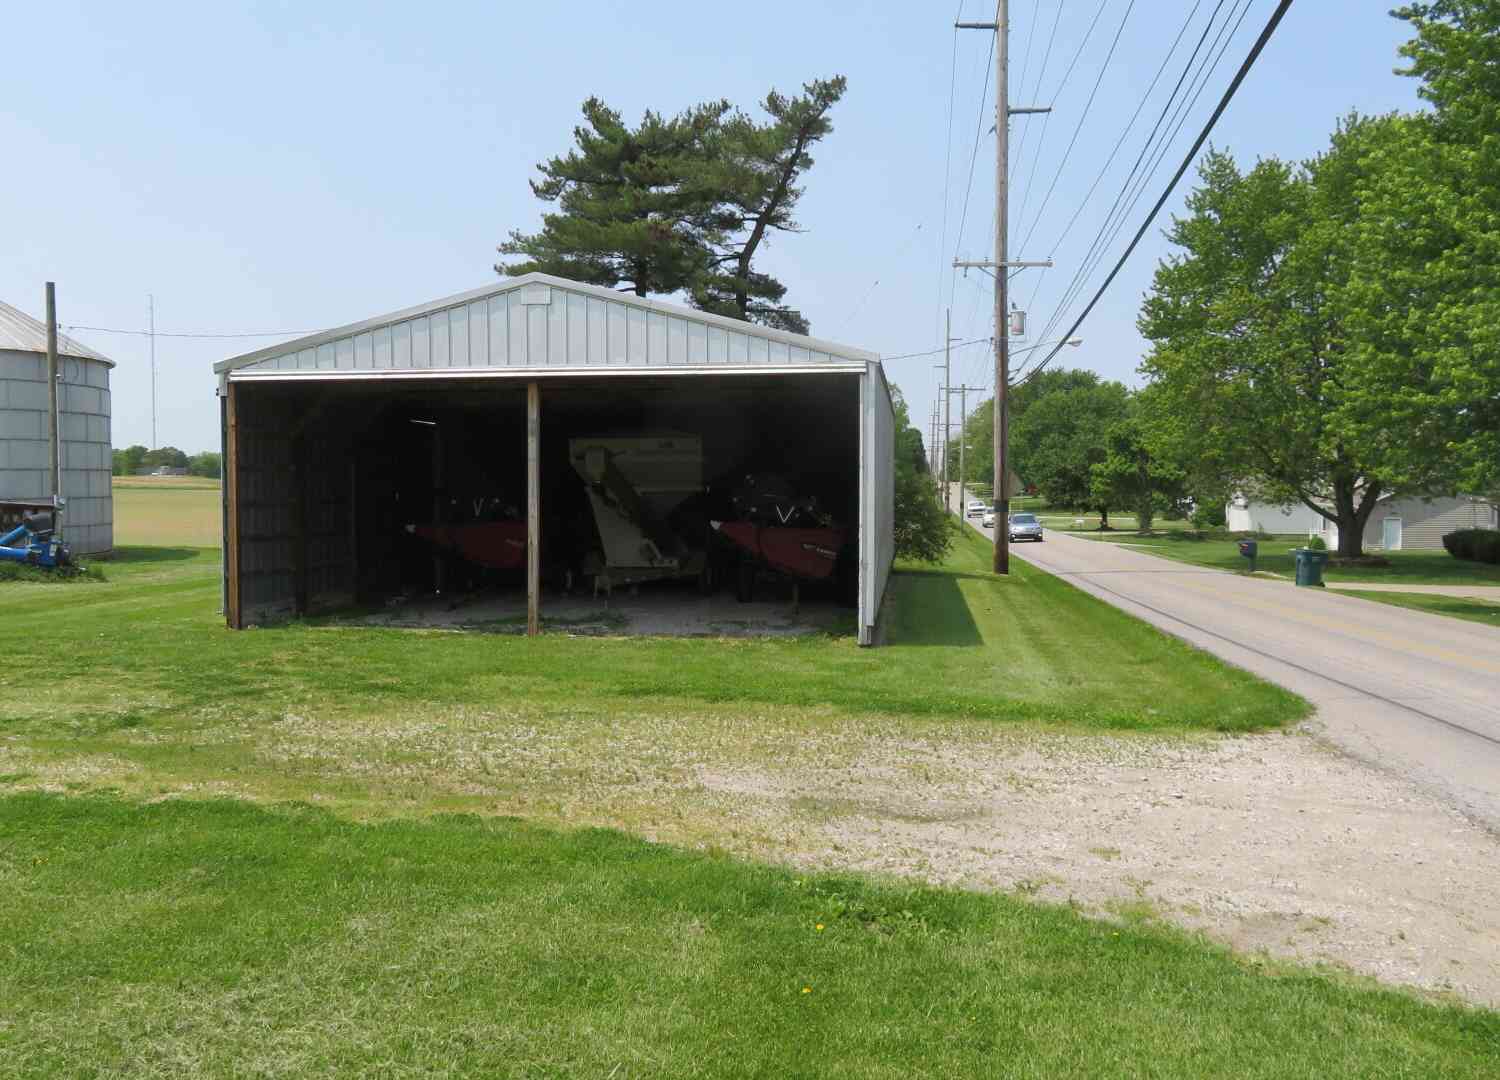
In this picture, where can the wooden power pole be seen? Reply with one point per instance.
(999, 270)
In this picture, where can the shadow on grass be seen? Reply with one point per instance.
(932, 611)
(153, 554)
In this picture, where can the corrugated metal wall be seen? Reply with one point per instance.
(296, 497)
(25, 472)
(877, 544)
(539, 326)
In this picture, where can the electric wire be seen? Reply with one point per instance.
(1147, 148)
(1035, 95)
(1187, 160)
(1078, 128)
(1130, 195)
(190, 334)
(963, 218)
(1130, 124)
(1174, 113)
(1063, 82)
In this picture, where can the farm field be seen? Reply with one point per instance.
(167, 511)
(315, 849)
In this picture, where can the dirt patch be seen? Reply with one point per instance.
(1271, 843)
(651, 612)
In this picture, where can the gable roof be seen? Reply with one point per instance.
(19, 332)
(541, 321)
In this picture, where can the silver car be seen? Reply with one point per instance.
(974, 509)
(1025, 527)
(988, 520)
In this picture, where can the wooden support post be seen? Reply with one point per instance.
(533, 508)
(299, 523)
(232, 510)
(439, 509)
(354, 527)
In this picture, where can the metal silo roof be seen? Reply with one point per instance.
(19, 332)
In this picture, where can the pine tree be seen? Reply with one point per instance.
(632, 210)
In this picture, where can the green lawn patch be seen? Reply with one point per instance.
(1275, 556)
(215, 938)
(1459, 607)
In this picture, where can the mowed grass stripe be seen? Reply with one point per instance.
(215, 938)
(963, 645)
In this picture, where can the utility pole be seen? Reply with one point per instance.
(151, 307)
(947, 395)
(54, 437)
(963, 419)
(999, 268)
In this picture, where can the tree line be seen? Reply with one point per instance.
(133, 459)
(1325, 332)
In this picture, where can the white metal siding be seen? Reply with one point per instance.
(529, 323)
(877, 503)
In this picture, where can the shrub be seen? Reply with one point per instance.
(1316, 543)
(1209, 515)
(1475, 545)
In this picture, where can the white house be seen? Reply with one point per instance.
(1398, 523)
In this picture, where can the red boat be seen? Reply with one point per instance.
(497, 544)
(807, 554)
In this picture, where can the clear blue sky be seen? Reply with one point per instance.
(297, 166)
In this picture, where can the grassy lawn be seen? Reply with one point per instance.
(217, 938)
(1275, 556)
(1459, 607)
(399, 884)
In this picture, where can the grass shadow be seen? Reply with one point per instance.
(132, 554)
(931, 609)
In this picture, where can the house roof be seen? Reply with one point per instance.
(597, 305)
(19, 332)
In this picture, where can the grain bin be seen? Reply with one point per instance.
(83, 401)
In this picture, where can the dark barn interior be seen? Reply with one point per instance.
(337, 489)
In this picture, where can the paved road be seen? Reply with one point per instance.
(1413, 693)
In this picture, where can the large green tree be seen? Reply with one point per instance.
(1133, 471)
(1060, 436)
(1250, 357)
(1422, 297)
(680, 204)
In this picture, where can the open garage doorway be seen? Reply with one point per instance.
(702, 505)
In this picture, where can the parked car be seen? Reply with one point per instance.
(975, 508)
(988, 520)
(1025, 527)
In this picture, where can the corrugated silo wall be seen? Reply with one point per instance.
(877, 498)
(295, 500)
(85, 442)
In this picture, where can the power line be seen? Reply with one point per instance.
(1078, 128)
(1128, 126)
(978, 136)
(1175, 115)
(1068, 74)
(948, 159)
(1239, 78)
(192, 334)
(1035, 95)
(934, 352)
(1135, 179)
